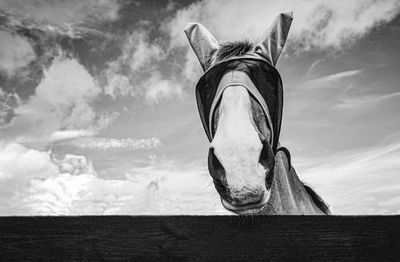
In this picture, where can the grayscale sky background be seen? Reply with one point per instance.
(98, 113)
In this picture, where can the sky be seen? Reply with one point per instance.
(98, 113)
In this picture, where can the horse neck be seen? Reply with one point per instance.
(288, 195)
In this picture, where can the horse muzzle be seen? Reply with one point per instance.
(248, 204)
(244, 201)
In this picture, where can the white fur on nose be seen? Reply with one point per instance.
(237, 144)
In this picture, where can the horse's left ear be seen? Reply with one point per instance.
(202, 41)
(272, 44)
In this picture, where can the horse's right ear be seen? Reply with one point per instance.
(202, 41)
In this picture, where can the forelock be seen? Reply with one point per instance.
(230, 49)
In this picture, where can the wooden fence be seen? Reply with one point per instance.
(200, 238)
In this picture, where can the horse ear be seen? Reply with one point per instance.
(202, 41)
(272, 44)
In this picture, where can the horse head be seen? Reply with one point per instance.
(240, 104)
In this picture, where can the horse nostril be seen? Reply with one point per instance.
(221, 188)
(266, 158)
(215, 167)
(218, 184)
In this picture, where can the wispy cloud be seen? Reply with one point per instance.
(329, 81)
(324, 92)
(312, 68)
(102, 143)
(363, 101)
(70, 134)
(359, 181)
(337, 76)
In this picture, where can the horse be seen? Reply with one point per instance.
(240, 99)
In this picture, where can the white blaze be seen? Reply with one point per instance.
(236, 142)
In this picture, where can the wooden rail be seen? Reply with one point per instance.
(200, 238)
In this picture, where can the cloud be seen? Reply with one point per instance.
(157, 89)
(38, 31)
(148, 191)
(330, 93)
(22, 169)
(360, 181)
(62, 100)
(18, 166)
(61, 12)
(317, 24)
(36, 183)
(343, 88)
(363, 101)
(15, 52)
(329, 80)
(103, 144)
(70, 134)
(136, 72)
(74, 165)
(117, 85)
(138, 60)
(8, 101)
(138, 52)
(66, 82)
(16, 159)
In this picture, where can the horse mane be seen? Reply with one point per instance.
(238, 48)
(317, 199)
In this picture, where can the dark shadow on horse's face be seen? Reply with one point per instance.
(240, 159)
